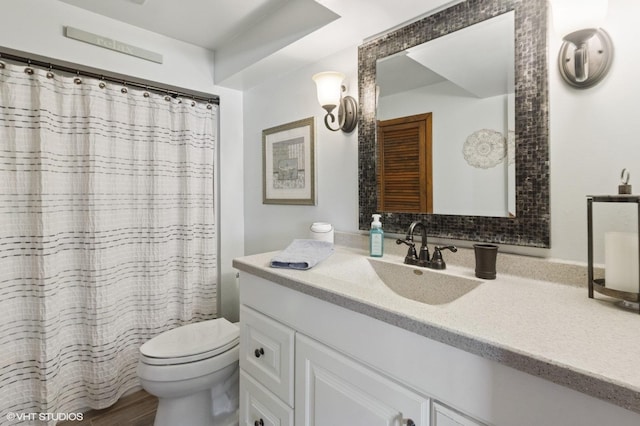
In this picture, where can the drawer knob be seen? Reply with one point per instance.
(258, 423)
(258, 353)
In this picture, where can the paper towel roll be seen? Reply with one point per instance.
(621, 261)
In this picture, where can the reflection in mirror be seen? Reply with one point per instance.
(405, 169)
(456, 214)
(465, 81)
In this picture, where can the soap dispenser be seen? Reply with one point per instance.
(376, 237)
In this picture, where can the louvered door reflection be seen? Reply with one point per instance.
(404, 175)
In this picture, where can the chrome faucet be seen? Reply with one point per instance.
(423, 259)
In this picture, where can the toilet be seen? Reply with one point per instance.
(193, 370)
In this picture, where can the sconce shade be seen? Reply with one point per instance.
(329, 86)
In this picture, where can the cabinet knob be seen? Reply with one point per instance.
(258, 422)
(258, 353)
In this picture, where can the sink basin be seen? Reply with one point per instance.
(423, 285)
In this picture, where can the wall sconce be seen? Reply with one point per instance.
(330, 89)
(587, 52)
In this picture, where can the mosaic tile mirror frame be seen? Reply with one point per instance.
(531, 224)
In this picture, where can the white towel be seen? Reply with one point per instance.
(302, 254)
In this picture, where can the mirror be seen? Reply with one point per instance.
(465, 81)
(523, 220)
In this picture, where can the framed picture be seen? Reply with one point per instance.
(288, 164)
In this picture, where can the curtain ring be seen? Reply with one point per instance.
(77, 80)
(124, 89)
(146, 94)
(50, 73)
(209, 106)
(167, 98)
(28, 69)
(1, 65)
(102, 84)
(193, 103)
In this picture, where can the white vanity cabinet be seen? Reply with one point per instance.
(326, 364)
(290, 378)
(330, 388)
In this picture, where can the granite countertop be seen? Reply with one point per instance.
(543, 328)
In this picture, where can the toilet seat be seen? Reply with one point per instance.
(191, 343)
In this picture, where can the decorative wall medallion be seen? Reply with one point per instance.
(484, 148)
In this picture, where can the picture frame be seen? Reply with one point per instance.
(288, 163)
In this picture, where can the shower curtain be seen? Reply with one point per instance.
(107, 234)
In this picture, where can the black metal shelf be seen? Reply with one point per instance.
(614, 198)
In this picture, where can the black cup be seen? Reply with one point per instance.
(485, 260)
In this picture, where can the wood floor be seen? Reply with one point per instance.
(137, 409)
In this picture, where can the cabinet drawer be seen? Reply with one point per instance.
(259, 407)
(266, 352)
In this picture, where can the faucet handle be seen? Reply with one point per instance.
(436, 261)
(453, 249)
(407, 242)
(412, 257)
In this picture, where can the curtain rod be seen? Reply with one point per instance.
(106, 76)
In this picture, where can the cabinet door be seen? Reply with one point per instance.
(332, 389)
(445, 416)
(266, 352)
(259, 407)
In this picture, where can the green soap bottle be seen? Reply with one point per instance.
(376, 237)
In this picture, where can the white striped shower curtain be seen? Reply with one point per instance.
(107, 235)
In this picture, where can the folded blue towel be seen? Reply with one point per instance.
(302, 254)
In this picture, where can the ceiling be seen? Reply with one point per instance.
(256, 39)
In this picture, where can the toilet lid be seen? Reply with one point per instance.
(198, 340)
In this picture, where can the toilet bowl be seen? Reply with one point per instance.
(193, 370)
